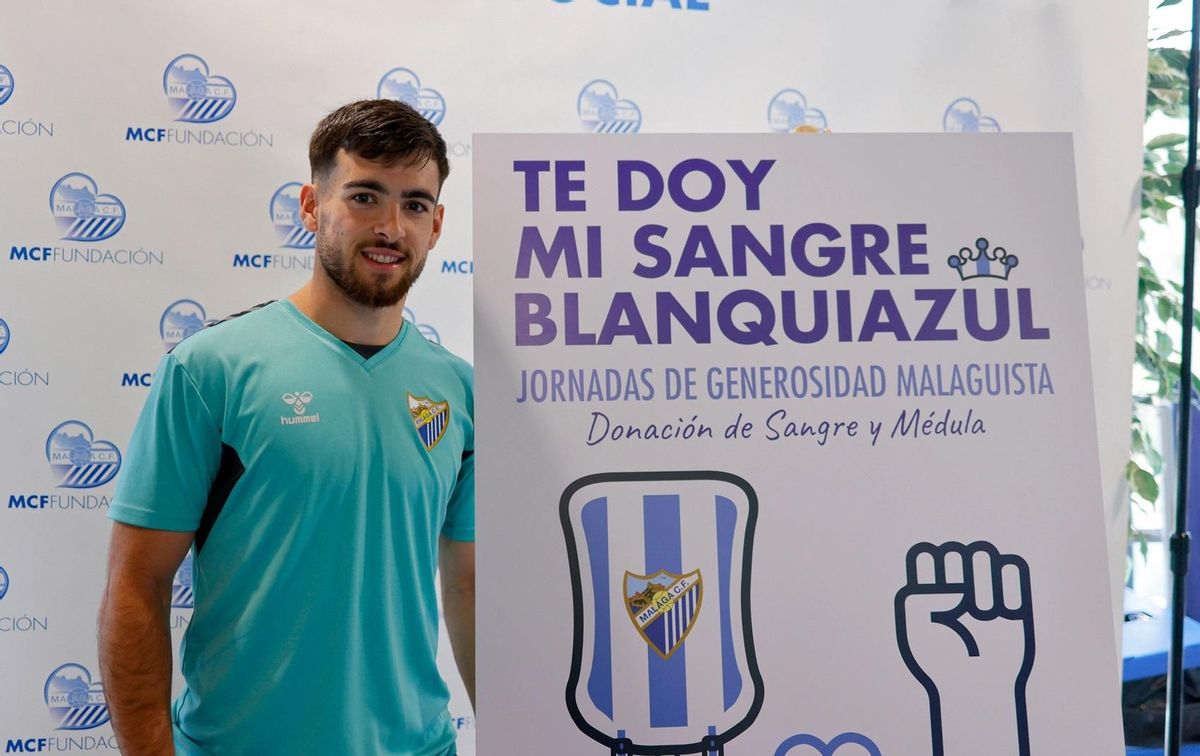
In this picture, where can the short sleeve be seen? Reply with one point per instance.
(460, 511)
(172, 457)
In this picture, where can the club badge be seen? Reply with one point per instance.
(430, 417)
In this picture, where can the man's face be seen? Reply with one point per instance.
(375, 225)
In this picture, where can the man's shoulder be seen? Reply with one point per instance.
(237, 332)
(440, 354)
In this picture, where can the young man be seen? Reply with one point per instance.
(316, 454)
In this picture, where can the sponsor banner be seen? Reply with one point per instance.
(786, 408)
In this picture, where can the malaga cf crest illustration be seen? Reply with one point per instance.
(663, 657)
(663, 607)
(430, 417)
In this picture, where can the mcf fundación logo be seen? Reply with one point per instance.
(601, 110)
(182, 596)
(194, 94)
(789, 111)
(285, 216)
(78, 459)
(6, 84)
(81, 212)
(404, 85)
(965, 115)
(180, 320)
(75, 701)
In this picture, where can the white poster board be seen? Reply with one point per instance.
(786, 445)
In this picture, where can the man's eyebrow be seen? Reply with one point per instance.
(418, 194)
(376, 186)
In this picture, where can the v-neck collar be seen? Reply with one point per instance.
(335, 343)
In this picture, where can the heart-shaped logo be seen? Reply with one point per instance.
(285, 216)
(404, 85)
(81, 212)
(846, 744)
(964, 114)
(602, 111)
(6, 84)
(194, 94)
(77, 459)
(4, 335)
(74, 700)
(789, 111)
(180, 320)
(181, 589)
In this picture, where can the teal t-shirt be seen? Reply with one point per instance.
(317, 483)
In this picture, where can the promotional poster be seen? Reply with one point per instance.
(786, 445)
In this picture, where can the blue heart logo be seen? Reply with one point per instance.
(78, 459)
(965, 115)
(6, 84)
(602, 111)
(789, 110)
(81, 212)
(194, 94)
(404, 85)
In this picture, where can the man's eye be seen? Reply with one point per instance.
(362, 198)
(418, 207)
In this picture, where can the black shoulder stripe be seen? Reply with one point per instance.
(212, 323)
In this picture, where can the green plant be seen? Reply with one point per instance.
(1159, 303)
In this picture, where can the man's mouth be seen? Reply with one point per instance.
(384, 256)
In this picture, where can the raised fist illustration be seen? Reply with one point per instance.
(964, 625)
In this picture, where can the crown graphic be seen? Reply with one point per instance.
(983, 261)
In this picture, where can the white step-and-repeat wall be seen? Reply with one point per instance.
(152, 156)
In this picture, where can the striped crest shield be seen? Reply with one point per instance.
(663, 656)
(430, 417)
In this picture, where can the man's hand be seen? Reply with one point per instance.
(135, 638)
(456, 562)
(964, 624)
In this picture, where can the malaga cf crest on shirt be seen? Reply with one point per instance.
(430, 417)
(663, 656)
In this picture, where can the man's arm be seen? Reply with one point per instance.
(456, 561)
(135, 638)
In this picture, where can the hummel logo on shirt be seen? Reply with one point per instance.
(299, 402)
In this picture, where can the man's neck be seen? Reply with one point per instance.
(348, 320)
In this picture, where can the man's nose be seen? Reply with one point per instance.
(389, 225)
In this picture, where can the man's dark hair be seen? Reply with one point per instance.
(388, 131)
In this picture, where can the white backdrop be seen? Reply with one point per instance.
(82, 92)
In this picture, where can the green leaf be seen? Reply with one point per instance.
(1166, 140)
(1166, 310)
(1145, 485)
(1172, 33)
(1166, 3)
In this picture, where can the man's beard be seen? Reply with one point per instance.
(366, 292)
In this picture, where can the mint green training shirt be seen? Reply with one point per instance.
(317, 483)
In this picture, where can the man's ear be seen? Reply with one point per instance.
(308, 206)
(438, 215)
